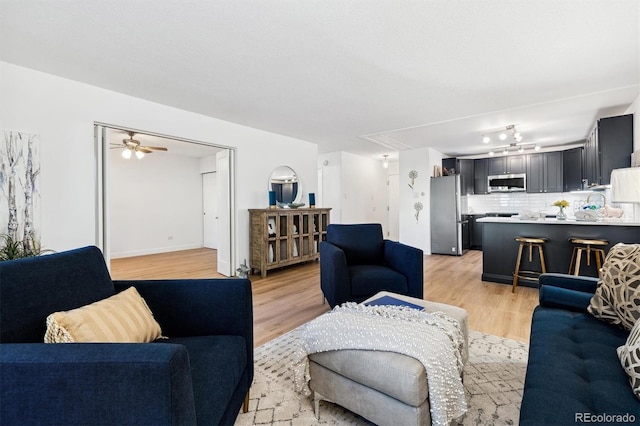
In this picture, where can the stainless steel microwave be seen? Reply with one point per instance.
(508, 183)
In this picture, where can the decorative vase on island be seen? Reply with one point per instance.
(561, 215)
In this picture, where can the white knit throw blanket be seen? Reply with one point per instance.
(434, 339)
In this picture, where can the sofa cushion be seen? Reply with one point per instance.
(123, 318)
(367, 280)
(34, 287)
(629, 355)
(217, 366)
(617, 298)
(573, 368)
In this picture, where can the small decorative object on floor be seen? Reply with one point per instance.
(561, 215)
(312, 200)
(243, 270)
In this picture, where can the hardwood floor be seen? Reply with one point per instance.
(290, 297)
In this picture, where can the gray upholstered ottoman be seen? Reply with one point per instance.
(386, 388)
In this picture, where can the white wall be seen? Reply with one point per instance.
(155, 204)
(416, 233)
(63, 112)
(208, 164)
(634, 109)
(330, 187)
(364, 190)
(355, 187)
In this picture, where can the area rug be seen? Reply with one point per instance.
(493, 382)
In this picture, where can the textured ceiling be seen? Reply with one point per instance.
(342, 74)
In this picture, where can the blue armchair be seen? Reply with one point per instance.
(200, 375)
(356, 263)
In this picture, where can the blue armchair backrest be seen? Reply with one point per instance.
(33, 288)
(362, 244)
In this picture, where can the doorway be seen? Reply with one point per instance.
(209, 211)
(169, 185)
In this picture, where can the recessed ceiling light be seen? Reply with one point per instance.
(486, 139)
(491, 153)
(537, 148)
(502, 136)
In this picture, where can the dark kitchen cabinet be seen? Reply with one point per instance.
(475, 228)
(553, 171)
(572, 169)
(480, 183)
(466, 176)
(544, 172)
(535, 173)
(507, 165)
(465, 169)
(609, 146)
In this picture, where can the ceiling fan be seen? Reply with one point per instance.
(133, 146)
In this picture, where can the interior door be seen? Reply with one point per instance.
(209, 211)
(224, 185)
(393, 212)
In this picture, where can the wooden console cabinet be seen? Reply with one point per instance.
(283, 237)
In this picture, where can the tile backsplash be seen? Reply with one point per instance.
(518, 202)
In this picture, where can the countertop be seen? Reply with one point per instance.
(548, 221)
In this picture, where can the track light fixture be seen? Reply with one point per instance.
(503, 134)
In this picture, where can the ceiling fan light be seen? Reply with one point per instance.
(126, 153)
(517, 137)
(486, 139)
(139, 154)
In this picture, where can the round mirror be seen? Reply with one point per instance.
(284, 182)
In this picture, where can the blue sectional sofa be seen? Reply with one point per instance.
(200, 375)
(574, 375)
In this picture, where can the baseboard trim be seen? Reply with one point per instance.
(134, 253)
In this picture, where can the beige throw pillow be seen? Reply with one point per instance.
(124, 317)
(617, 297)
(629, 355)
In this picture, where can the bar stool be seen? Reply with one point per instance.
(586, 244)
(533, 275)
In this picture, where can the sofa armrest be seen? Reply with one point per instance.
(409, 262)
(200, 307)
(567, 291)
(334, 274)
(95, 383)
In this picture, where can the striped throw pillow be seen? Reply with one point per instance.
(124, 317)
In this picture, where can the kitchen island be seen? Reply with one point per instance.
(499, 249)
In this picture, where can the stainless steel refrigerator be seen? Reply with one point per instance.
(449, 229)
